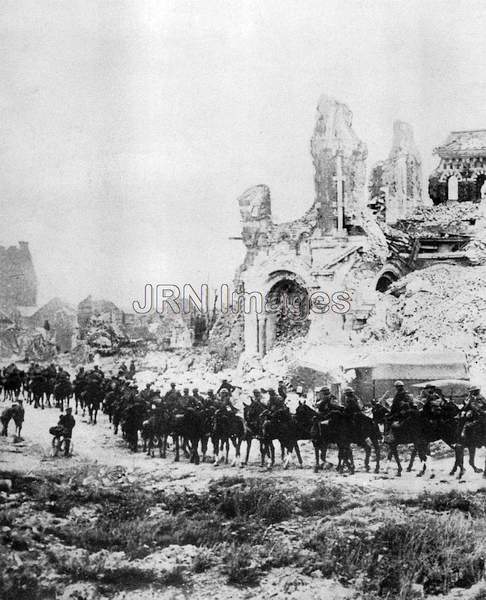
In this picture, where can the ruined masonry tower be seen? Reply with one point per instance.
(317, 252)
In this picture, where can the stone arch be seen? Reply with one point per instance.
(287, 308)
(388, 275)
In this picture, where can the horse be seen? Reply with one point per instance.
(284, 430)
(252, 424)
(155, 431)
(15, 412)
(343, 430)
(39, 387)
(187, 426)
(62, 393)
(226, 426)
(12, 384)
(419, 430)
(92, 397)
(472, 435)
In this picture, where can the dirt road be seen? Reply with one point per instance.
(97, 443)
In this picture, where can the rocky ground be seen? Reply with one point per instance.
(111, 524)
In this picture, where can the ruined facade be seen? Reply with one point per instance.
(309, 259)
(355, 238)
(396, 183)
(461, 173)
(18, 281)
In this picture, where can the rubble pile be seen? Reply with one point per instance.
(105, 338)
(453, 218)
(442, 306)
(226, 340)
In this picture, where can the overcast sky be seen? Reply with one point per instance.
(129, 128)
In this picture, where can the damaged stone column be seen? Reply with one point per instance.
(339, 158)
(402, 175)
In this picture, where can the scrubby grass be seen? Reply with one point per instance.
(437, 551)
(121, 575)
(471, 503)
(240, 567)
(202, 562)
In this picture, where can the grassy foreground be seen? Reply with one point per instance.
(84, 526)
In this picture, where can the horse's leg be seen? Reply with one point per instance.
(263, 452)
(350, 459)
(422, 452)
(297, 452)
(272, 454)
(195, 453)
(227, 446)
(472, 459)
(412, 459)
(248, 448)
(367, 449)
(394, 453)
(317, 452)
(376, 447)
(95, 415)
(176, 441)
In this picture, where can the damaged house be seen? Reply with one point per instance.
(357, 237)
(311, 259)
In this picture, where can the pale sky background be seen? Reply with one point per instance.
(129, 128)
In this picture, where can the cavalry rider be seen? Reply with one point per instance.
(433, 403)
(256, 402)
(67, 422)
(225, 402)
(172, 397)
(147, 394)
(276, 407)
(188, 402)
(226, 385)
(352, 405)
(402, 404)
(474, 408)
(210, 401)
(198, 398)
(326, 402)
(282, 389)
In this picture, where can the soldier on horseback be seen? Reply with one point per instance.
(326, 402)
(225, 403)
(402, 404)
(434, 404)
(474, 410)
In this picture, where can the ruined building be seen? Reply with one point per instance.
(461, 174)
(18, 282)
(396, 183)
(309, 259)
(356, 238)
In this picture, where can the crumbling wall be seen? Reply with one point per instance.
(226, 340)
(334, 137)
(18, 281)
(395, 185)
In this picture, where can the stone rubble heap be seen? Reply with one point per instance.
(443, 306)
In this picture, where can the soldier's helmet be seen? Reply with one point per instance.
(399, 384)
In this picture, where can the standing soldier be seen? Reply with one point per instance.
(67, 422)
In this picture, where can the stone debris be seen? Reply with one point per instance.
(442, 306)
